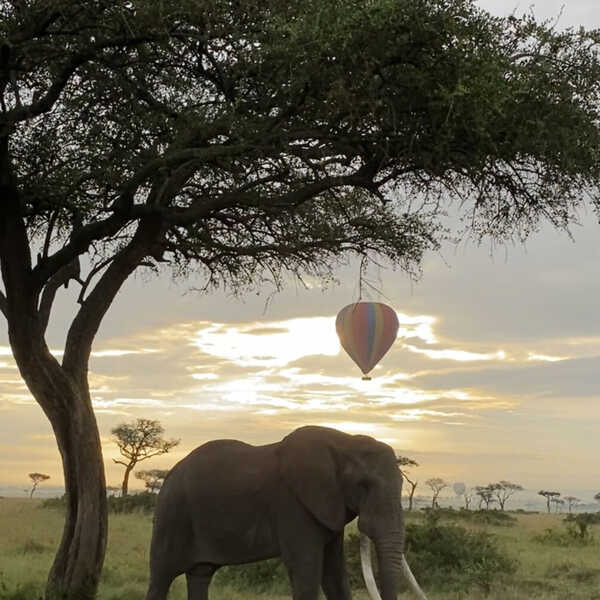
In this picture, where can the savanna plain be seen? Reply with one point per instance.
(455, 554)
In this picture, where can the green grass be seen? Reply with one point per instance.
(550, 566)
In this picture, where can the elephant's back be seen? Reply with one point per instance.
(223, 465)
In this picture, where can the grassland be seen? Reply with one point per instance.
(550, 564)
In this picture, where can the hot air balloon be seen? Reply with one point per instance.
(366, 331)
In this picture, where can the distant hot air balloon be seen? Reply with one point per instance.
(459, 488)
(366, 331)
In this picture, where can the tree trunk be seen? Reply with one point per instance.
(125, 486)
(66, 402)
(78, 562)
(411, 495)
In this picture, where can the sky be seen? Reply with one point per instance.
(493, 376)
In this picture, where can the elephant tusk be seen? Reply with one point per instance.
(367, 570)
(367, 567)
(412, 582)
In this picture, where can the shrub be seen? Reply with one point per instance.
(479, 517)
(578, 525)
(55, 503)
(454, 558)
(143, 502)
(260, 577)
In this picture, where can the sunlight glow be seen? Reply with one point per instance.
(546, 358)
(254, 345)
(420, 327)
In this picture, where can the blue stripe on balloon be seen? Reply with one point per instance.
(371, 316)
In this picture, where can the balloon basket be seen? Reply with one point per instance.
(366, 378)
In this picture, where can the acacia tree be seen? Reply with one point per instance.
(550, 496)
(486, 495)
(436, 484)
(503, 490)
(153, 478)
(36, 479)
(137, 442)
(404, 461)
(246, 139)
(571, 502)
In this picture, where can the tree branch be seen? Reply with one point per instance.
(47, 101)
(85, 325)
(79, 243)
(62, 277)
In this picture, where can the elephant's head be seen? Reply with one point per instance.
(337, 476)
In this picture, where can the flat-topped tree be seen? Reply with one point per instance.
(36, 479)
(246, 139)
(550, 496)
(503, 490)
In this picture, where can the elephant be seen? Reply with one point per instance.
(228, 502)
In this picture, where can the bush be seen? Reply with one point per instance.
(453, 558)
(267, 576)
(577, 533)
(143, 502)
(578, 525)
(55, 503)
(479, 517)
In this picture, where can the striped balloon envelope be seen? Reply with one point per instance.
(366, 331)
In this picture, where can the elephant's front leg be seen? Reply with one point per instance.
(305, 570)
(335, 578)
(302, 543)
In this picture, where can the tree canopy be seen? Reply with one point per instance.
(243, 140)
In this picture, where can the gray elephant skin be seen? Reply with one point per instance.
(228, 502)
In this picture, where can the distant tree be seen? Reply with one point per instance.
(503, 490)
(153, 478)
(486, 495)
(548, 495)
(404, 461)
(468, 495)
(137, 442)
(572, 501)
(597, 497)
(558, 503)
(437, 484)
(36, 479)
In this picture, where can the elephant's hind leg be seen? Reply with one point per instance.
(335, 578)
(198, 580)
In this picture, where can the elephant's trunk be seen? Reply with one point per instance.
(391, 561)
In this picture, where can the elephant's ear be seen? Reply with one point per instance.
(308, 466)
